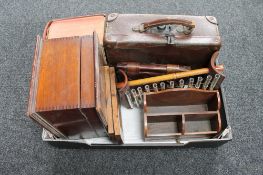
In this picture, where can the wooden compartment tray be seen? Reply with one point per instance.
(181, 113)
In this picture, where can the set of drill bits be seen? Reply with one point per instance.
(134, 96)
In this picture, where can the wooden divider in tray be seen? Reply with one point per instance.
(180, 112)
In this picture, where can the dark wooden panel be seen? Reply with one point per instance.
(181, 97)
(169, 125)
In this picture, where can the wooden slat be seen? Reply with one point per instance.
(34, 80)
(115, 106)
(100, 81)
(87, 73)
(108, 111)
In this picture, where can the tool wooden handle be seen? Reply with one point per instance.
(168, 77)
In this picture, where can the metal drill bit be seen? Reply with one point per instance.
(129, 99)
(171, 84)
(214, 82)
(147, 88)
(181, 83)
(162, 84)
(135, 97)
(198, 82)
(140, 92)
(155, 87)
(207, 81)
(191, 82)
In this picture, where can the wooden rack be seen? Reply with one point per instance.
(181, 113)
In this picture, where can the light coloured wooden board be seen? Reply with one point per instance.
(115, 106)
(108, 110)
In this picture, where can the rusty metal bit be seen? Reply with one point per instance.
(198, 82)
(191, 82)
(140, 92)
(214, 82)
(147, 88)
(162, 85)
(129, 99)
(135, 97)
(181, 83)
(171, 84)
(155, 87)
(207, 82)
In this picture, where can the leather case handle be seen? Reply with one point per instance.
(188, 25)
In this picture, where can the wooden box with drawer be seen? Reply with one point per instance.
(69, 95)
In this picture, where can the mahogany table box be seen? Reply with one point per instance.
(63, 96)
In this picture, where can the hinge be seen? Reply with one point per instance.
(111, 17)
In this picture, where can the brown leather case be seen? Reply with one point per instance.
(67, 93)
(163, 39)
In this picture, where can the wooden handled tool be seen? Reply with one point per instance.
(165, 77)
(136, 69)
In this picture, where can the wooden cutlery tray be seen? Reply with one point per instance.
(181, 113)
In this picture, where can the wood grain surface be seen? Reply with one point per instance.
(174, 121)
(77, 26)
(87, 73)
(65, 100)
(108, 102)
(59, 75)
(115, 106)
